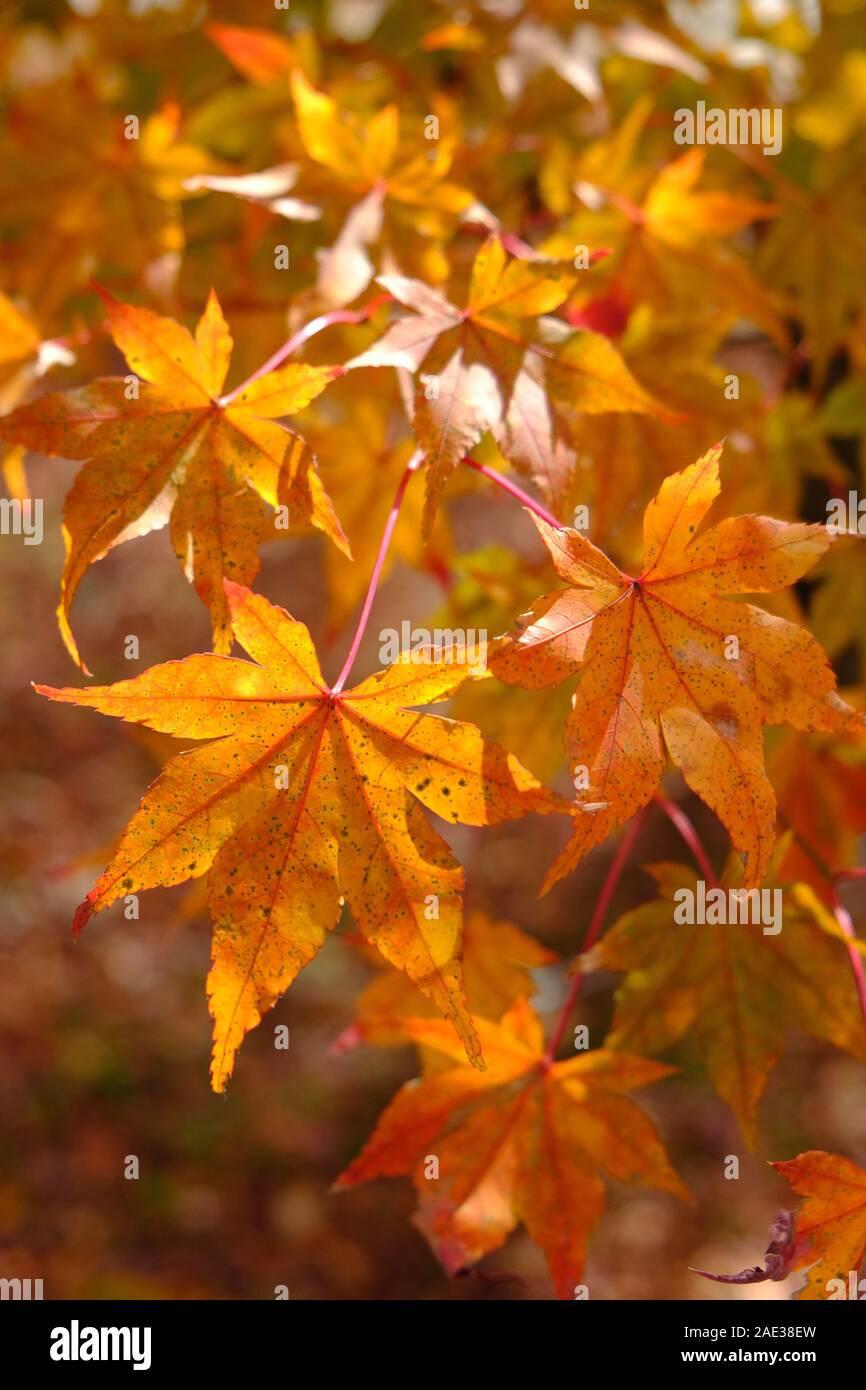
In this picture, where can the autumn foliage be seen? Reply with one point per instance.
(433, 316)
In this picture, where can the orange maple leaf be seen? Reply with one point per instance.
(667, 655)
(303, 798)
(522, 1142)
(164, 443)
(370, 157)
(672, 249)
(831, 1223)
(494, 367)
(498, 958)
(403, 201)
(82, 194)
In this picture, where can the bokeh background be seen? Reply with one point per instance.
(105, 1044)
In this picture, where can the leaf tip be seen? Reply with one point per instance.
(105, 295)
(83, 913)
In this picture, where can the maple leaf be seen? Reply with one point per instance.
(497, 959)
(367, 157)
(170, 446)
(307, 797)
(655, 660)
(96, 197)
(734, 989)
(523, 1142)
(389, 187)
(492, 369)
(831, 1223)
(400, 189)
(669, 249)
